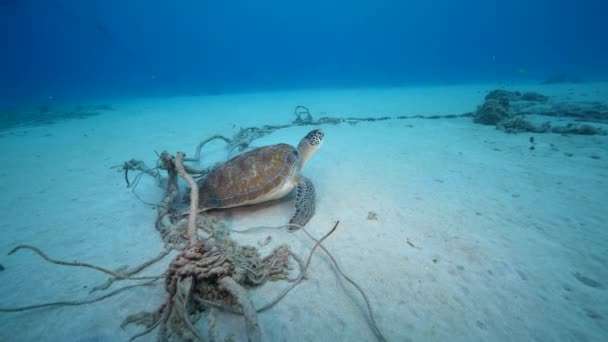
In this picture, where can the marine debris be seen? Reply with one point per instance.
(211, 272)
(245, 136)
(509, 112)
(506, 96)
(492, 111)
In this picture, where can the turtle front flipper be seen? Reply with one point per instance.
(305, 203)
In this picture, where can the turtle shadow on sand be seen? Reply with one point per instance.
(280, 207)
(211, 272)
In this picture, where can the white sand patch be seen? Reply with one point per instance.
(477, 237)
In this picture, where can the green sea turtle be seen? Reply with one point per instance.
(264, 174)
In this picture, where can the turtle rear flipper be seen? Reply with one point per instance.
(305, 203)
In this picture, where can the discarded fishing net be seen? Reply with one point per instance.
(508, 111)
(207, 274)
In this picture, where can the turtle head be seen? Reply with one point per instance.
(309, 145)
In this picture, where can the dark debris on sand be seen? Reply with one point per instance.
(508, 111)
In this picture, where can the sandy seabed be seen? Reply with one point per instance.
(456, 231)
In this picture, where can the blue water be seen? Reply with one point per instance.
(68, 49)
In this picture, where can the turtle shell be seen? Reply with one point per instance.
(248, 176)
